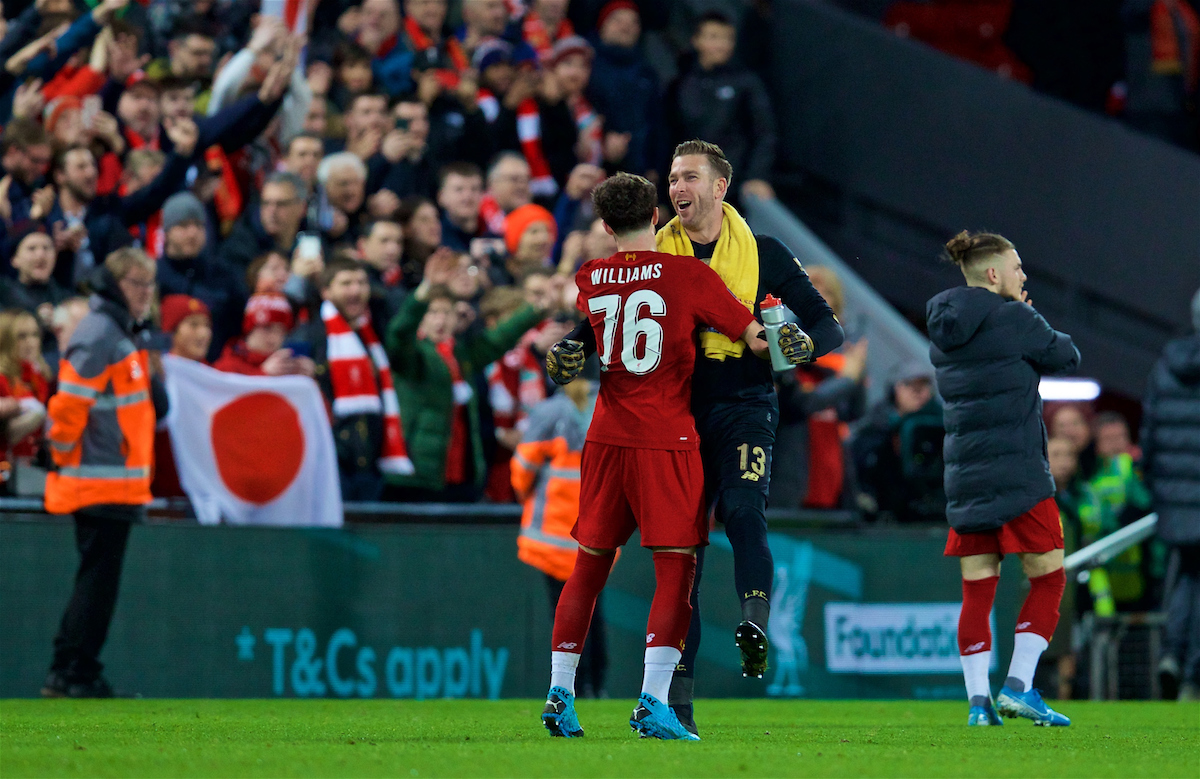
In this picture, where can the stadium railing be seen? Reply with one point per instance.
(175, 510)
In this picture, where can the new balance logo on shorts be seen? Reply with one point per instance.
(649, 637)
(1023, 625)
(567, 645)
(973, 648)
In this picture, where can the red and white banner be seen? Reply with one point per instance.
(294, 13)
(252, 450)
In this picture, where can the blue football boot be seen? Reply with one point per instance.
(983, 716)
(654, 719)
(1029, 704)
(559, 714)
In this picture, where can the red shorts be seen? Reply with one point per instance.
(657, 491)
(1037, 530)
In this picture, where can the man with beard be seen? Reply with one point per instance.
(86, 227)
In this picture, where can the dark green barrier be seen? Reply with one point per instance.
(428, 611)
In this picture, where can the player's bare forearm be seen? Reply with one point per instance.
(755, 336)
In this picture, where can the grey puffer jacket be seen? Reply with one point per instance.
(1171, 440)
(990, 354)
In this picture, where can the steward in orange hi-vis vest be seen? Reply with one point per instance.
(545, 474)
(102, 423)
(102, 417)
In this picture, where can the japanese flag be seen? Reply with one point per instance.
(293, 12)
(252, 450)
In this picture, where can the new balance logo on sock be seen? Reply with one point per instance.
(567, 645)
(1023, 625)
(973, 648)
(649, 637)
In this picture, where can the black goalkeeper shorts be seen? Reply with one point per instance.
(736, 440)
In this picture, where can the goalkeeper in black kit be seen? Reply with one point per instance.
(733, 392)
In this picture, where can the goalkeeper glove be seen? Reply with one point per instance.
(795, 344)
(564, 361)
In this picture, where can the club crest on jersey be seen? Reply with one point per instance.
(626, 275)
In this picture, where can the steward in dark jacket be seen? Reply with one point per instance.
(990, 354)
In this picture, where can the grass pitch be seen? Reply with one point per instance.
(505, 738)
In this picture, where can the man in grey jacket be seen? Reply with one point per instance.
(990, 349)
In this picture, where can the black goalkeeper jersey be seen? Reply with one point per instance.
(747, 377)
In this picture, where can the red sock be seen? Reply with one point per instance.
(671, 609)
(578, 599)
(1039, 614)
(974, 632)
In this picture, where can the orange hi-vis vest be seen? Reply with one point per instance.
(101, 419)
(545, 474)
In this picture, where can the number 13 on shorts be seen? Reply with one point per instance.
(752, 462)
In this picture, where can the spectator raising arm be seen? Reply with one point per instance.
(139, 206)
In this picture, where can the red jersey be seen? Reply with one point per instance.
(646, 309)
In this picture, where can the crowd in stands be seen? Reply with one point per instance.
(393, 204)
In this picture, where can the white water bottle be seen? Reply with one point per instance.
(773, 319)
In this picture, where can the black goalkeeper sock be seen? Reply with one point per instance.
(756, 610)
(742, 512)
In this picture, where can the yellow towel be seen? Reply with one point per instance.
(735, 260)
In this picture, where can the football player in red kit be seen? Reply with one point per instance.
(641, 465)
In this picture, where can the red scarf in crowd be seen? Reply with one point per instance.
(1175, 41)
(515, 384)
(529, 132)
(31, 384)
(492, 215)
(458, 448)
(360, 387)
(422, 42)
(533, 29)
